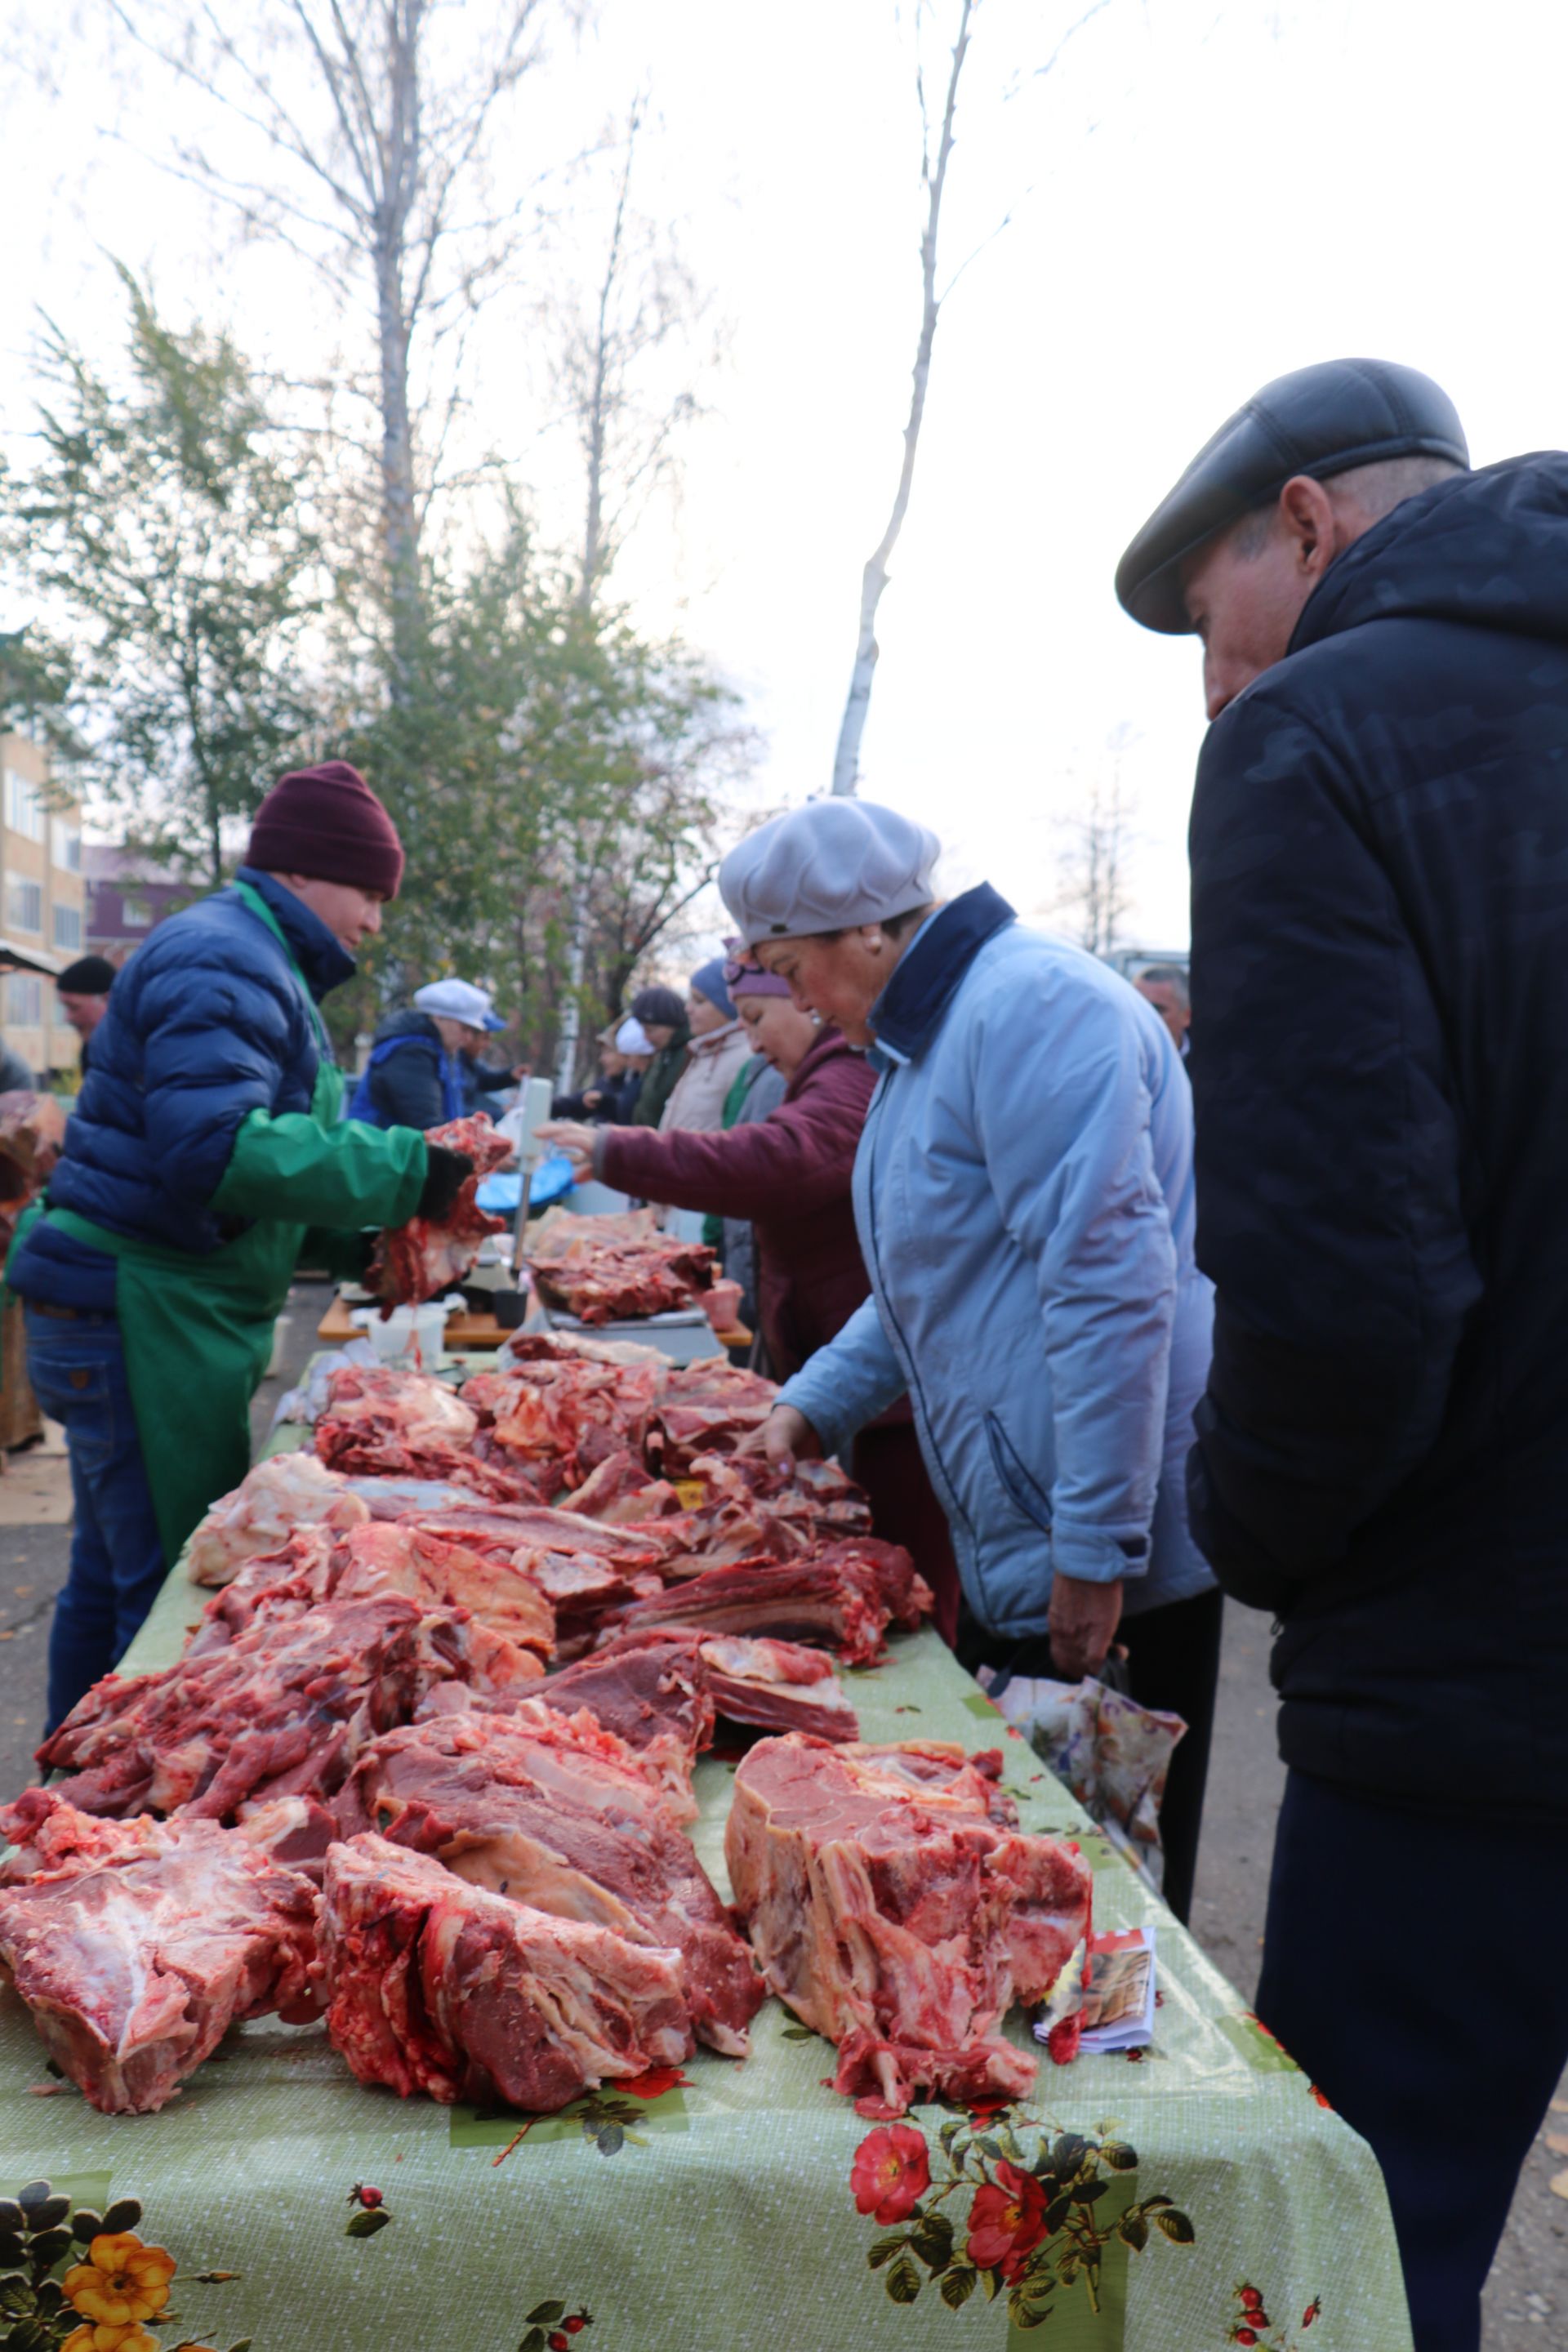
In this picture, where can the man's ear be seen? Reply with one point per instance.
(1311, 526)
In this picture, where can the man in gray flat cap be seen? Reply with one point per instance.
(1380, 992)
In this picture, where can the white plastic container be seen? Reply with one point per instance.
(410, 1338)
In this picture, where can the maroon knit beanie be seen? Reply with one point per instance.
(326, 822)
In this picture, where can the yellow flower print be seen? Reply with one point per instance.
(121, 2282)
(134, 2338)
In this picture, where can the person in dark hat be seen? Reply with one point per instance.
(663, 1017)
(83, 990)
(206, 1142)
(1380, 897)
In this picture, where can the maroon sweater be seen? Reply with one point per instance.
(789, 1173)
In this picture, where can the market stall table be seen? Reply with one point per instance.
(716, 2212)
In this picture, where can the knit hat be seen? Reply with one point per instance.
(659, 1008)
(631, 1037)
(326, 822)
(455, 1000)
(748, 979)
(707, 980)
(89, 976)
(826, 867)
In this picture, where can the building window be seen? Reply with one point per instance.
(23, 806)
(136, 913)
(67, 927)
(66, 843)
(24, 906)
(24, 1000)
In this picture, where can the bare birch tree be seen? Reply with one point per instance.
(378, 141)
(1095, 866)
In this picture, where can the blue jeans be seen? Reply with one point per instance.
(1385, 1978)
(78, 1371)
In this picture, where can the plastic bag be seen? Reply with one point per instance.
(1110, 1752)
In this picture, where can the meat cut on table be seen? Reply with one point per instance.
(280, 1710)
(893, 1903)
(531, 1809)
(610, 1269)
(564, 1416)
(425, 1258)
(842, 1597)
(285, 1492)
(384, 1424)
(136, 1944)
(652, 1694)
(439, 1987)
(404, 1556)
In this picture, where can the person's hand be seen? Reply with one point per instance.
(788, 1433)
(576, 1141)
(1084, 1618)
(445, 1175)
(521, 1073)
(593, 1099)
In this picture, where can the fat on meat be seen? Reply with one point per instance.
(136, 1944)
(441, 1988)
(402, 1556)
(893, 1903)
(525, 1807)
(280, 1710)
(429, 1255)
(285, 1492)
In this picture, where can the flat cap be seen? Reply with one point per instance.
(826, 867)
(1318, 420)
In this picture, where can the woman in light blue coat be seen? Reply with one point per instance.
(1024, 1198)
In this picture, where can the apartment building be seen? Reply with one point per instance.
(42, 903)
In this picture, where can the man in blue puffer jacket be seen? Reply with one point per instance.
(206, 1142)
(1024, 1197)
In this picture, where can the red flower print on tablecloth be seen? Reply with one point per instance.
(1252, 2328)
(1006, 2222)
(890, 2174)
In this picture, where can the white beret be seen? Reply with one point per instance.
(826, 867)
(455, 1000)
(631, 1037)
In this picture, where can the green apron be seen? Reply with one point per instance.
(197, 1331)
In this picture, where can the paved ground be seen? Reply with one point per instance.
(1526, 2301)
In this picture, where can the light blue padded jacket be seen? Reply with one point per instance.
(1023, 1199)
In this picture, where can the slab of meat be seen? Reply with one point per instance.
(709, 1407)
(621, 1491)
(522, 1805)
(561, 1420)
(610, 1269)
(777, 1687)
(136, 1944)
(427, 1256)
(440, 1987)
(285, 1492)
(387, 1555)
(282, 1710)
(834, 1599)
(384, 1424)
(655, 1695)
(898, 1914)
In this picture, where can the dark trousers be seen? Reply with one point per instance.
(1173, 1664)
(887, 1463)
(77, 1367)
(1412, 1965)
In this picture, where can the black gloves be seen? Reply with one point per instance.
(444, 1180)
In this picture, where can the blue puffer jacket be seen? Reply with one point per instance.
(1024, 1198)
(205, 1024)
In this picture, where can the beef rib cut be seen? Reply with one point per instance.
(440, 1987)
(427, 1256)
(895, 1906)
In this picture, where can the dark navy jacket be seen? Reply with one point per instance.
(205, 1024)
(410, 1079)
(1380, 1068)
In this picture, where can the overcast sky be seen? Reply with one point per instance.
(1205, 196)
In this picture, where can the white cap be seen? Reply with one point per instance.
(455, 1000)
(631, 1037)
(826, 867)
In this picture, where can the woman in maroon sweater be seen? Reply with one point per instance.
(789, 1174)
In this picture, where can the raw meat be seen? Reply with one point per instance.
(523, 1806)
(709, 1407)
(439, 1987)
(560, 1421)
(607, 1269)
(427, 1256)
(836, 1599)
(388, 1556)
(621, 1491)
(777, 1687)
(282, 1710)
(895, 1906)
(655, 1695)
(136, 1944)
(285, 1492)
(388, 1423)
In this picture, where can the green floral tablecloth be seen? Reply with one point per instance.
(1196, 2194)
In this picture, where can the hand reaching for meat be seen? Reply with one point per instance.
(440, 1242)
